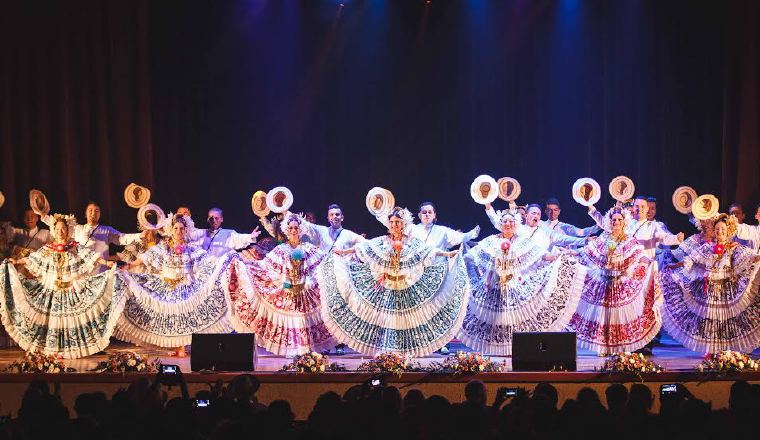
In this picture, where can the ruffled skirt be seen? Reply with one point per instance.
(371, 318)
(72, 323)
(286, 323)
(540, 300)
(712, 317)
(158, 313)
(618, 314)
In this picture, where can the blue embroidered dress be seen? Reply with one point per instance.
(393, 300)
(515, 290)
(64, 310)
(712, 303)
(183, 291)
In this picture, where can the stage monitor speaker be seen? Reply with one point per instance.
(223, 352)
(543, 351)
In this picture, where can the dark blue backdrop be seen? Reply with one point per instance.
(420, 98)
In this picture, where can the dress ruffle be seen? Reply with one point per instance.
(538, 298)
(619, 309)
(286, 322)
(710, 316)
(370, 317)
(162, 314)
(74, 322)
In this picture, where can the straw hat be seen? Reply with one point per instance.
(259, 204)
(279, 199)
(38, 202)
(586, 191)
(484, 189)
(622, 188)
(683, 198)
(379, 201)
(705, 207)
(142, 217)
(509, 189)
(136, 196)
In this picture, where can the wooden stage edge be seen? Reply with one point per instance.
(406, 379)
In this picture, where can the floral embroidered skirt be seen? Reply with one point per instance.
(286, 322)
(618, 314)
(541, 299)
(363, 313)
(74, 322)
(163, 314)
(712, 316)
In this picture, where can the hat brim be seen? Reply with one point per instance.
(504, 189)
(379, 201)
(581, 188)
(705, 207)
(142, 217)
(683, 198)
(273, 199)
(484, 189)
(39, 202)
(621, 188)
(259, 204)
(136, 196)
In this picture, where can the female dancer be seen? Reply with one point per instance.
(712, 296)
(184, 290)
(619, 309)
(517, 287)
(284, 311)
(396, 296)
(64, 309)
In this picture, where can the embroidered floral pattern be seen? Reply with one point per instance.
(715, 308)
(619, 305)
(72, 322)
(285, 318)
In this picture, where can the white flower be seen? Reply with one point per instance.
(322, 368)
(131, 362)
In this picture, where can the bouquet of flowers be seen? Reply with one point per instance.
(467, 363)
(394, 363)
(311, 362)
(34, 362)
(127, 362)
(632, 363)
(728, 362)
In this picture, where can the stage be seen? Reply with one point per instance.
(302, 390)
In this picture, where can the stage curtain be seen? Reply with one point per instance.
(75, 114)
(741, 104)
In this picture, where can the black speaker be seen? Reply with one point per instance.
(543, 351)
(223, 352)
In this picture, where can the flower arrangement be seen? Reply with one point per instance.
(719, 250)
(467, 363)
(728, 362)
(35, 362)
(126, 362)
(394, 363)
(312, 362)
(632, 363)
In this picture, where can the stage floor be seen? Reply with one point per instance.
(669, 354)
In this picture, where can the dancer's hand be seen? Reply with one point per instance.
(255, 233)
(679, 236)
